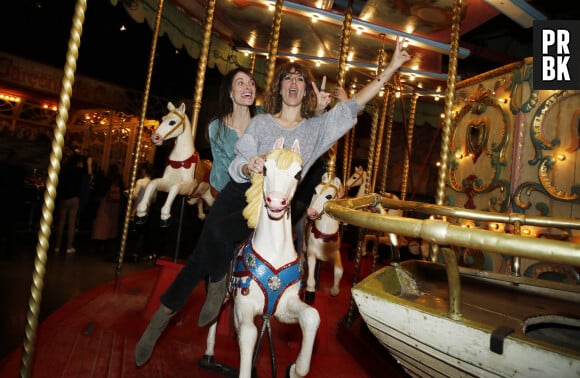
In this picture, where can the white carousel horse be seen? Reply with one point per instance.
(267, 271)
(358, 178)
(322, 235)
(184, 174)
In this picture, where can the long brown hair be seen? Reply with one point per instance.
(273, 98)
(225, 104)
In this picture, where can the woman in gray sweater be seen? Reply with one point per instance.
(289, 109)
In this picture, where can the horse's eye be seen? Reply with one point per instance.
(172, 122)
(328, 197)
(298, 175)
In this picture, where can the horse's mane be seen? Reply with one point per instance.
(284, 158)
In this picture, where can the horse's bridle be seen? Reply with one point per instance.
(180, 123)
(336, 191)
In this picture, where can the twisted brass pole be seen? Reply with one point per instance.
(340, 80)
(366, 188)
(409, 149)
(125, 233)
(378, 115)
(273, 43)
(450, 260)
(389, 104)
(29, 343)
(202, 65)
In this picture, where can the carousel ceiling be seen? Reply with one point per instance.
(313, 31)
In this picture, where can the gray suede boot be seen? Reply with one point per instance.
(216, 293)
(157, 324)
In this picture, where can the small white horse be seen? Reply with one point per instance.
(184, 174)
(322, 235)
(267, 270)
(358, 178)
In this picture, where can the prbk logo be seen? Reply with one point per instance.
(557, 54)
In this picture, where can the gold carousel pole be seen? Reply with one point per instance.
(374, 154)
(202, 65)
(121, 255)
(252, 63)
(389, 105)
(367, 187)
(450, 260)
(341, 77)
(380, 120)
(29, 343)
(407, 161)
(273, 44)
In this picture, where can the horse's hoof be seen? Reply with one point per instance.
(165, 222)
(140, 220)
(209, 363)
(309, 297)
(288, 369)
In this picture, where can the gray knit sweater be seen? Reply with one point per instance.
(315, 135)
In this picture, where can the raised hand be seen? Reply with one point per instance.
(322, 98)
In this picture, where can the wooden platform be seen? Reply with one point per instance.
(94, 335)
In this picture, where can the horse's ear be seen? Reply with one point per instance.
(324, 177)
(296, 146)
(170, 106)
(182, 108)
(278, 144)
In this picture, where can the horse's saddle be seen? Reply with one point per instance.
(249, 265)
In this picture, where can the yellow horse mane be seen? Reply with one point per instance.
(284, 158)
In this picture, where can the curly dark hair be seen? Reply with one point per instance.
(273, 99)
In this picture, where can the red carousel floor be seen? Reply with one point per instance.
(94, 335)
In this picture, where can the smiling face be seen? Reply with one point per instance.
(293, 88)
(243, 90)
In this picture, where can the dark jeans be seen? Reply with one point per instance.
(223, 228)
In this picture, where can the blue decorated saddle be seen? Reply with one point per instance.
(249, 265)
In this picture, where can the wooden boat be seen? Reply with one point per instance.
(443, 320)
(509, 326)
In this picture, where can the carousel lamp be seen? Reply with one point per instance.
(324, 4)
(11, 98)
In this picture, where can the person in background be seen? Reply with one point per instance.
(70, 185)
(11, 199)
(106, 224)
(289, 107)
(143, 236)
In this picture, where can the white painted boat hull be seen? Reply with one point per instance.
(418, 331)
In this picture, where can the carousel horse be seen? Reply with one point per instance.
(358, 178)
(322, 236)
(184, 174)
(267, 272)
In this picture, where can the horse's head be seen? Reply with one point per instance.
(172, 125)
(277, 185)
(325, 191)
(356, 179)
